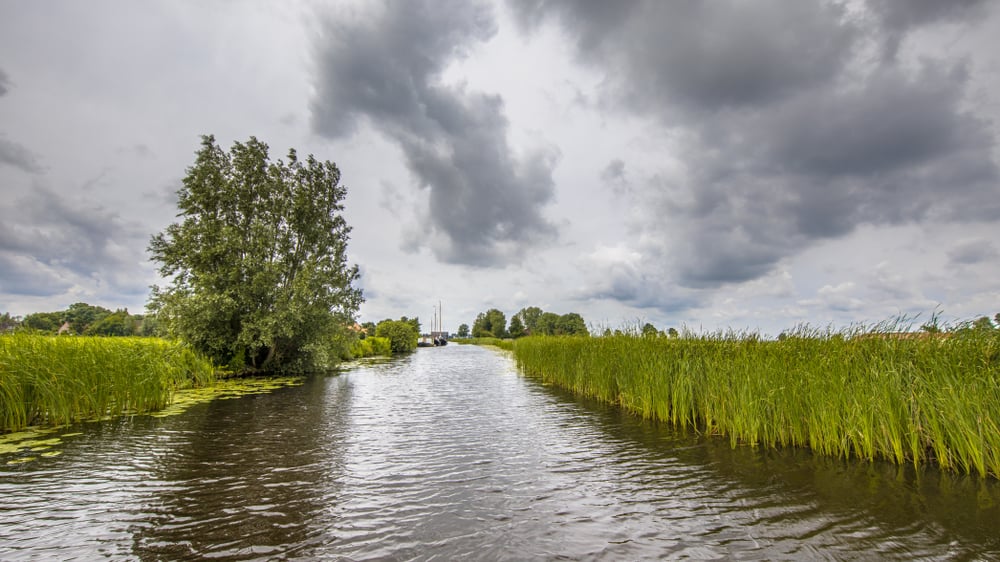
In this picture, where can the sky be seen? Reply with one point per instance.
(701, 165)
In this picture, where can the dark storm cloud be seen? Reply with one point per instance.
(485, 203)
(665, 57)
(13, 154)
(53, 234)
(790, 134)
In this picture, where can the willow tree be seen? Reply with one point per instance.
(258, 272)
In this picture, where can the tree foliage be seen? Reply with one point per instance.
(528, 317)
(571, 324)
(90, 320)
(547, 324)
(516, 329)
(8, 322)
(415, 322)
(490, 324)
(528, 321)
(118, 323)
(43, 321)
(81, 315)
(258, 268)
(402, 335)
(463, 331)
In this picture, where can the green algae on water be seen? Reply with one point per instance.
(27, 440)
(41, 440)
(223, 390)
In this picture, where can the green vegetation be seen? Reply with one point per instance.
(260, 281)
(8, 322)
(371, 346)
(507, 344)
(83, 319)
(402, 334)
(47, 380)
(30, 444)
(531, 321)
(490, 324)
(537, 322)
(908, 398)
(516, 329)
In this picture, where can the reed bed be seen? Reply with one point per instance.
(49, 380)
(869, 396)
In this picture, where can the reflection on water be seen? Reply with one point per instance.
(448, 453)
(247, 477)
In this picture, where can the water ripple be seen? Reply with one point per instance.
(450, 454)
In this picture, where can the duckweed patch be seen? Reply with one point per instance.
(224, 390)
(25, 444)
(28, 439)
(35, 440)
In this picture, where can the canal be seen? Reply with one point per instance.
(450, 454)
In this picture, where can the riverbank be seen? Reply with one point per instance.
(51, 380)
(904, 400)
(505, 344)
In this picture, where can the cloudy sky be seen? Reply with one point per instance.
(702, 164)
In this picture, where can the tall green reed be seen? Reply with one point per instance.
(57, 380)
(849, 394)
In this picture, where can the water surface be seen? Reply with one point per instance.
(449, 454)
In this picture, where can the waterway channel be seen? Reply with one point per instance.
(450, 454)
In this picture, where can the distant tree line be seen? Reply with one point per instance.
(84, 319)
(528, 321)
(650, 331)
(981, 324)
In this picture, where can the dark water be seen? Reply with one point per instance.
(449, 454)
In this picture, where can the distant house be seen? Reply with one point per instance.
(65, 329)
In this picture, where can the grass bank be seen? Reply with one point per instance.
(49, 380)
(871, 397)
(495, 342)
